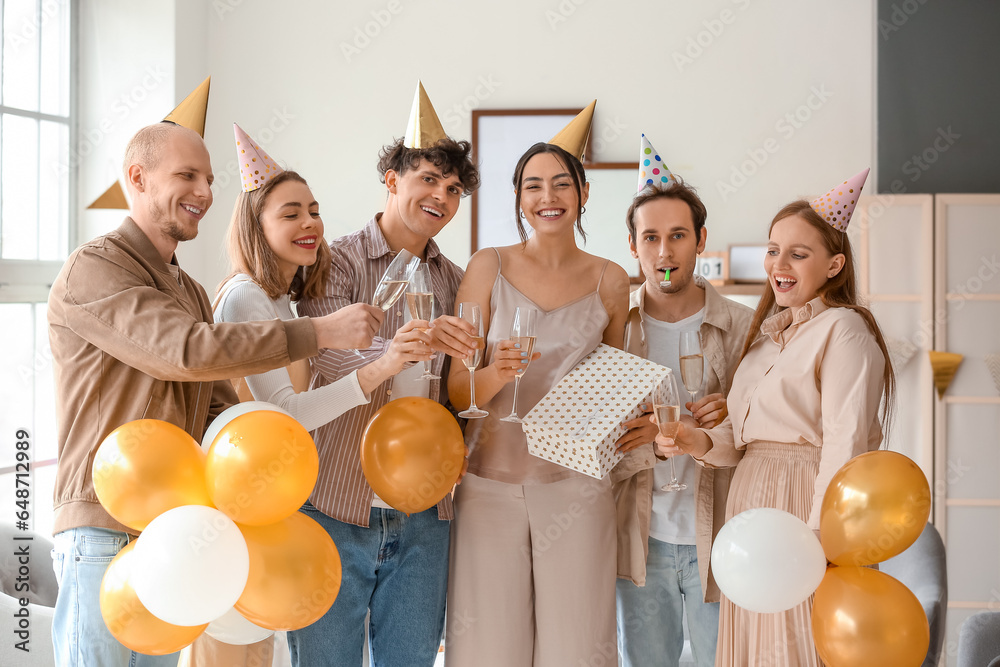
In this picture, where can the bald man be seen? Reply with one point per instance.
(133, 338)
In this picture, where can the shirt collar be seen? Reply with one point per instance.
(781, 321)
(137, 238)
(376, 246)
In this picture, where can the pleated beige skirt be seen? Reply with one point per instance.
(782, 476)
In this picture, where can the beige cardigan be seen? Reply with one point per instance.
(723, 333)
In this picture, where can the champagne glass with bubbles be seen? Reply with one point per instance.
(522, 332)
(470, 313)
(667, 408)
(420, 302)
(394, 282)
(692, 363)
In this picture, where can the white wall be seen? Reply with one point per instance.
(322, 96)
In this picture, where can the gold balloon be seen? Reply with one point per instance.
(129, 621)
(875, 507)
(864, 617)
(294, 573)
(261, 467)
(412, 453)
(146, 467)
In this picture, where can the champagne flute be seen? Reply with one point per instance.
(692, 363)
(667, 408)
(394, 282)
(471, 314)
(420, 301)
(522, 331)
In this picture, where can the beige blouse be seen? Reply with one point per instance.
(812, 379)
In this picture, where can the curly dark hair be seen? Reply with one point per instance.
(448, 155)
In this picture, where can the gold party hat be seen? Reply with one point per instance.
(424, 129)
(113, 197)
(192, 110)
(945, 364)
(573, 137)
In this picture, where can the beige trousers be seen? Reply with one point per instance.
(532, 579)
(208, 652)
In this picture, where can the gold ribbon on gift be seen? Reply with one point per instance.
(945, 365)
(993, 363)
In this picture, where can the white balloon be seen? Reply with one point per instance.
(767, 560)
(231, 413)
(191, 565)
(233, 628)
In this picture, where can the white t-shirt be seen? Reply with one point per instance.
(673, 518)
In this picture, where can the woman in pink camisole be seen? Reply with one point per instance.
(532, 579)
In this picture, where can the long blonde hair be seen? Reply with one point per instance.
(840, 291)
(250, 253)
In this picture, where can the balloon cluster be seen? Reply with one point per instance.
(767, 560)
(223, 548)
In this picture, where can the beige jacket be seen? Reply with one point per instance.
(132, 338)
(723, 333)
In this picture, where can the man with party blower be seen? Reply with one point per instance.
(665, 536)
(132, 338)
(395, 564)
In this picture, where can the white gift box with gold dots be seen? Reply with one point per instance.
(578, 422)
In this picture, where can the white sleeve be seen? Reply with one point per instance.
(247, 302)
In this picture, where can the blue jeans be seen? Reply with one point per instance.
(650, 630)
(79, 634)
(397, 569)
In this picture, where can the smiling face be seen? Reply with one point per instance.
(292, 226)
(423, 198)
(177, 189)
(548, 194)
(665, 239)
(798, 263)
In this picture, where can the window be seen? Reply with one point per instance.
(36, 224)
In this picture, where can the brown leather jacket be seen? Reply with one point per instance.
(723, 332)
(133, 338)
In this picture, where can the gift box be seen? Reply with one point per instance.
(578, 422)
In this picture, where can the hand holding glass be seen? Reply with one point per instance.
(394, 282)
(471, 314)
(667, 408)
(522, 332)
(420, 301)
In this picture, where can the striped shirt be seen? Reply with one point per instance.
(359, 260)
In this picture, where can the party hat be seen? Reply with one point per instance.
(651, 167)
(192, 110)
(945, 365)
(573, 137)
(837, 205)
(113, 197)
(424, 129)
(256, 166)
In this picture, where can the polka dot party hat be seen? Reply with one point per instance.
(651, 167)
(256, 166)
(837, 205)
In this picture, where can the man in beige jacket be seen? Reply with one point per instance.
(665, 538)
(132, 338)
